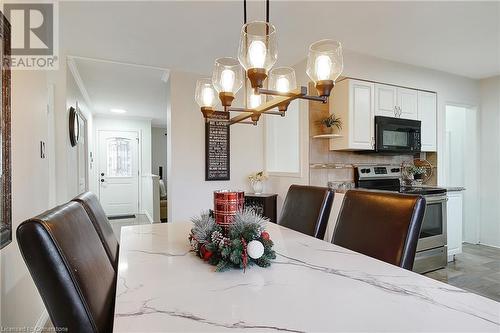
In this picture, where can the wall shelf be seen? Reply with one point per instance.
(327, 136)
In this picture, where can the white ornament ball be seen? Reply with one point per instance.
(255, 249)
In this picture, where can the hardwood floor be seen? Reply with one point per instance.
(476, 269)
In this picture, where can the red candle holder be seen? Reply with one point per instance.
(226, 205)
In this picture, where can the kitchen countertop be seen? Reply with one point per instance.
(311, 286)
(447, 188)
(454, 188)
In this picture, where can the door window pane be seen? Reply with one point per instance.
(119, 153)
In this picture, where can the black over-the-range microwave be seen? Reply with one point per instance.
(397, 135)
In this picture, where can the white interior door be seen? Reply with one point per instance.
(462, 166)
(118, 172)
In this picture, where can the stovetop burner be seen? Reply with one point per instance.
(387, 178)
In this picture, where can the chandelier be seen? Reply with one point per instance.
(257, 54)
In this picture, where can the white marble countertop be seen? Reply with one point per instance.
(312, 286)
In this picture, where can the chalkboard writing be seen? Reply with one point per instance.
(217, 148)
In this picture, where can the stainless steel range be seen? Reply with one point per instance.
(431, 248)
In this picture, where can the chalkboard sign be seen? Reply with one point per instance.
(217, 148)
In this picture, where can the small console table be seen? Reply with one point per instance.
(265, 204)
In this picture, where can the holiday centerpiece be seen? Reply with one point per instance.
(241, 243)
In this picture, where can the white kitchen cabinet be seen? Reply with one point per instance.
(391, 101)
(357, 102)
(427, 114)
(454, 219)
(407, 102)
(353, 101)
(385, 100)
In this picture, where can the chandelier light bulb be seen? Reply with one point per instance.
(227, 80)
(257, 53)
(282, 84)
(282, 79)
(205, 94)
(208, 96)
(255, 101)
(323, 67)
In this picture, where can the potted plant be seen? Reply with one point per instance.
(331, 122)
(256, 181)
(418, 172)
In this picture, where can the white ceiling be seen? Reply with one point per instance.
(137, 89)
(456, 37)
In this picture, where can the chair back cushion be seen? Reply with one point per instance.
(70, 268)
(96, 213)
(306, 209)
(385, 226)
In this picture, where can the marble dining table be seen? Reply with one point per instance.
(312, 286)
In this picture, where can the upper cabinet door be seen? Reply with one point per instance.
(385, 100)
(427, 114)
(361, 114)
(407, 102)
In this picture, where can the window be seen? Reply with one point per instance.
(282, 142)
(119, 152)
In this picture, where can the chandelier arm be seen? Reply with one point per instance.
(303, 94)
(238, 110)
(267, 11)
(244, 12)
(239, 118)
(323, 99)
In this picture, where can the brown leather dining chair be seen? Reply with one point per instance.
(70, 268)
(96, 213)
(385, 226)
(306, 209)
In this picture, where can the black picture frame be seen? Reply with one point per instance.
(5, 124)
(217, 148)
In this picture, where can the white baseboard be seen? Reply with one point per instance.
(490, 245)
(41, 322)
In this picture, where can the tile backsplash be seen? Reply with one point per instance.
(337, 166)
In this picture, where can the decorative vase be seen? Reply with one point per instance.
(257, 187)
(226, 204)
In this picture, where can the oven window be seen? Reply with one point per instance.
(395, 138)
(432, 225)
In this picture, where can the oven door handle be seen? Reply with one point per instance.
(430, 199)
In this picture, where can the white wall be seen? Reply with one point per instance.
(21, 303)
(74, 97)
(122, 123)
(188, 192)
(159, 150)
(490, 161)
